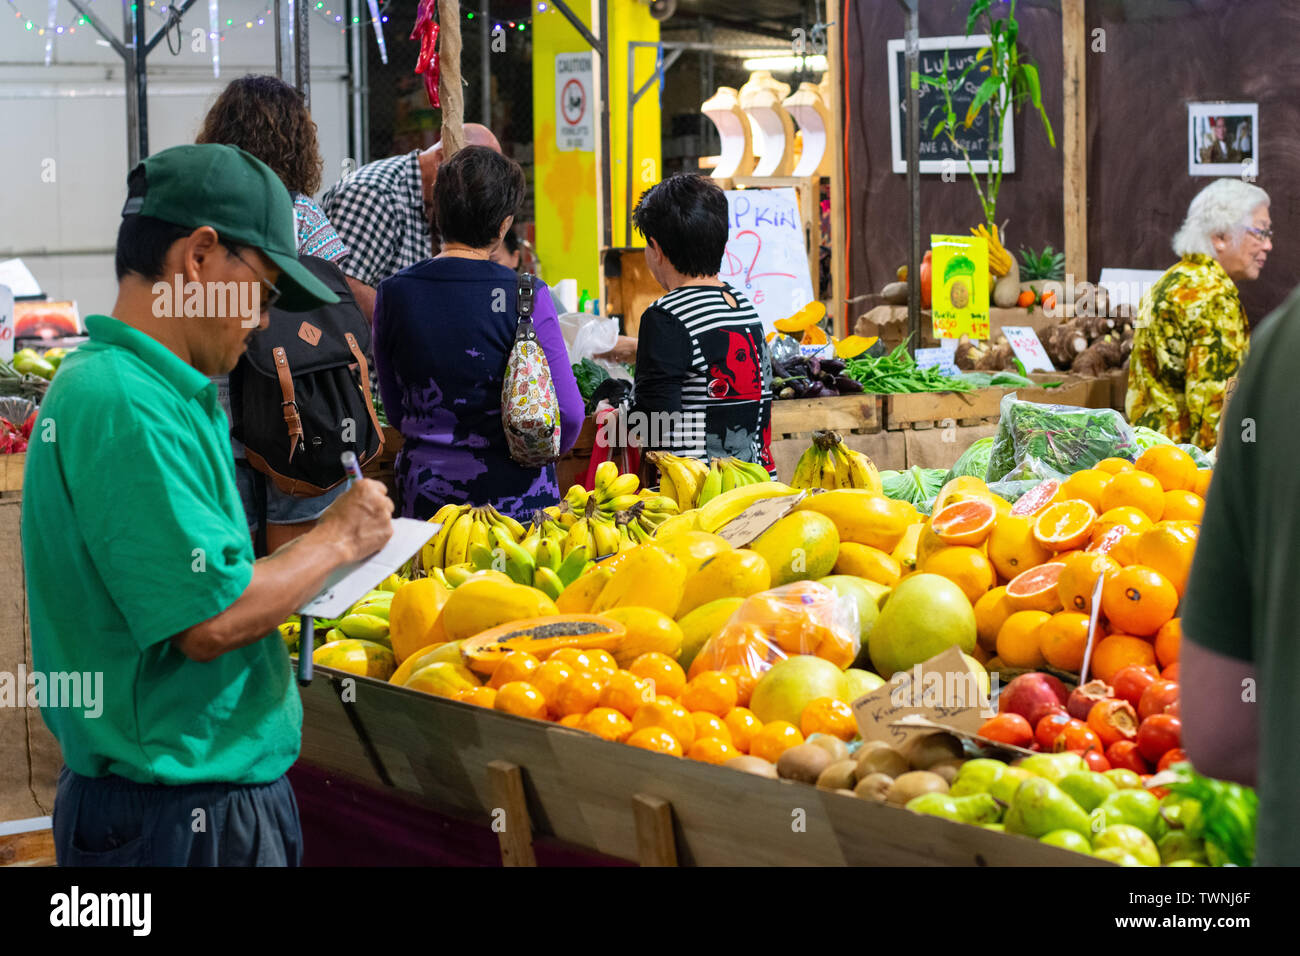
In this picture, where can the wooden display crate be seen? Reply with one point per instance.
(542, 779)
(11, 472)
(933, 409)
(846, 414)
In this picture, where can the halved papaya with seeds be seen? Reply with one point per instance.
(540, 636)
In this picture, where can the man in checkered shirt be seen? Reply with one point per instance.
(382, 213)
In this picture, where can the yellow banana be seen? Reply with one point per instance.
(548, 582)
(625, 484)
(667, 488)
(728, 475)
(605, 536)
(724, 508)
(457, 574)
(549, 553)
(578, 536)
(457, 543)
(619, 503)
(808, 470)
(438, 575)
(576, 497)
(478, 531)
(514, 527)
(606, 472)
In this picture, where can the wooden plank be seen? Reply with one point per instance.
(11, 472)
(30, 848)
(655, 843)
(514, 828)
(579, 788)
(16, 801)
(841, 413)
(1074, 142)
(840, 309)
(909, 410)
(941, 447)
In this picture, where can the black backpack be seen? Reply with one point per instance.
(300, 395)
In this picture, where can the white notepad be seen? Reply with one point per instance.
(350, 582)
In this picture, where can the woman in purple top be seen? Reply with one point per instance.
(442, 335)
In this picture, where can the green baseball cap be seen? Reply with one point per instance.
(240, 197)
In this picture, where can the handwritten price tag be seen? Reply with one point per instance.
(942, 689)
(747, 526)
(1026, 346)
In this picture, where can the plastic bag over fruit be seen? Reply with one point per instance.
(1055, 441)
(800, 618)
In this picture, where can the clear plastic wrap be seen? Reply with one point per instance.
(800, 618)
(1055, 441)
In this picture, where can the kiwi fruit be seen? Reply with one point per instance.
(803, 763)
(755, 765)
(913, 784)
(841, 775)
(837, 748)
(924, 752)
(874, 786)
(883, 759)
(948, 770)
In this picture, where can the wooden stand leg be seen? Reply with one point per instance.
(655, 843)
(510, 817)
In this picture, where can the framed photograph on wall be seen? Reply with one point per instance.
(1223, 139)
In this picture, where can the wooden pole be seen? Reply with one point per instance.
(655, 843)
(450, 89)
(841, 310)
(515, 829)
(1074, 37)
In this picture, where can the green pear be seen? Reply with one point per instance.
(1053, 766)
(1181, 845)
(1139, 808)
(975, 808)
(1067, 840)
(1123, 778)
(1183, 813)
(996, 827)
(977, 776)
(1117, 855)
(1186, 863)
(1131, 840)
(1040, 806)
(1087, 788)
(1004, 787)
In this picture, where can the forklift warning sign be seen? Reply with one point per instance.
(574, 127)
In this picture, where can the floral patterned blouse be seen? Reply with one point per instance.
(1190, 339)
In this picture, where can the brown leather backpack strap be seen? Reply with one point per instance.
(289, 406)
(364, 367)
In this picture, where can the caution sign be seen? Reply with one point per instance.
(574, 126)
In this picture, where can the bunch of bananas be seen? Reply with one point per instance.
(691, 483)
(464, 526)
(829, 464)
(366, 620)
(1000, 260)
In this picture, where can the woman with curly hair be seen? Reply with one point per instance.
(267, 117)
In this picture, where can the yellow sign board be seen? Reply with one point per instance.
(960, 284)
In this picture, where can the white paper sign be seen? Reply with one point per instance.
(574, 123)
(348, 583)
(939, 358)
(15, 274)
(1026, 346)
(766, 256)
(6, 324)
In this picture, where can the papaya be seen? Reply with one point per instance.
(483, 602)
(579, 596)
(540, 636)
(728, 574)
(365, 658)
(423, 658)
(415, 608)
(645, 576)
(442, 679)
(646, 630)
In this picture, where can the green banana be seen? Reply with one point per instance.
(729, 475)
(549, 553)
(519, 563)
(482, 557)
(573, 564)
(365, 627)
(711, 488)
(548, 582)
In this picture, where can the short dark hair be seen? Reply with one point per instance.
(142, 244)
(686, 216)
(268, 118)
(474, 193)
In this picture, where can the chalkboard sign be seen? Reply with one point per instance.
(937, 151)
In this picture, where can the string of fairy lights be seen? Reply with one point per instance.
(322, 10)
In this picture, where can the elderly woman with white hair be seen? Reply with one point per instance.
(1191, 332)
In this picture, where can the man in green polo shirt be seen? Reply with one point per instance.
(138, 559)
(1240, 661)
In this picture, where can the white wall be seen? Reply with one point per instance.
(67, 122)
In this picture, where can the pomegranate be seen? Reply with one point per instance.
(1083, 697)
(1029, 692)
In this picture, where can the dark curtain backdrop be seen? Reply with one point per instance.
(1159, 56)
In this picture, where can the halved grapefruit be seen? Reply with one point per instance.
(965, 523)
(1035, 589)
(1037, 498)
(1065, 525)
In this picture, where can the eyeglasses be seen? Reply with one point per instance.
(271, 297)
(1263, 235)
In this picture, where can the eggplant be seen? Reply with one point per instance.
(833, 365)
(830, 391)
(787, 392)
(848, 386)
(827, 379)
(814, 390)
(779, 370)
(814, 367)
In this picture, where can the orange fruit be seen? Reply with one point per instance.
(1125, 516)
(575, 657)
(480, 696)
(1168, 640)
(602, 660)
(743, 726)
(1065, 525)
(1135, 489)
(1169, 465)
(1138, 601)
(666, 713)
(835, 646)
(991, 611)
(517, 665)
(550, 675)
(826, 715)
(625, 692)
(709, 725)
(1114, 465)
(966, 523)
(1018, 639)
(1012, 547)
(712, 691)
(745, 679)
(1168, 548)
(968, 568)
(577, 695)
(572, 720)
(664, 674)
(1037, 498)
(1086, 485)
(773, 739)
(712, 750)
(1183, 506)
(1035, 589)
(521, 698)
(656, 739)
(607, 723)
(1062, 639)
(1201, 486)
(1082, 569)
(1119, 650)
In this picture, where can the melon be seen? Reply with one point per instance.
(790, 685)
(925, 615)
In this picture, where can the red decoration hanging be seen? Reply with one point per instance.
(426, 30)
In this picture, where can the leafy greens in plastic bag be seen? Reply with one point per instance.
(1054, 441)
